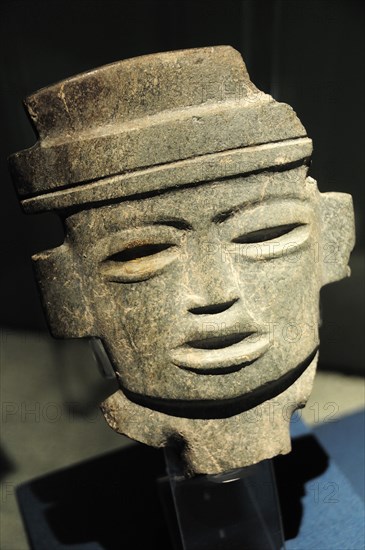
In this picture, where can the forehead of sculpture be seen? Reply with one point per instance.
(210, 202)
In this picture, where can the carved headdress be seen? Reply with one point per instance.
(149, 123)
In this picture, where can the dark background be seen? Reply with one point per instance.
(309, 54)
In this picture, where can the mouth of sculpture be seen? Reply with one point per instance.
(220, 354)
(209, 409)
(219, 342)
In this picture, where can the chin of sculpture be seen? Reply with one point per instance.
(196, 247)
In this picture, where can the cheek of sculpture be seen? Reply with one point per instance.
(287, 306)
(145, 327)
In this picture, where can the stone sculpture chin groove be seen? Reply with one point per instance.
(196, 246)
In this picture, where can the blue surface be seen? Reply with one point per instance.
(348, 451)
(332, 509)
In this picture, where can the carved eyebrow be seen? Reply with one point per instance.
(226, 214)
(223, 216)
(178, 224)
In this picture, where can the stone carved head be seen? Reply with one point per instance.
(196, 246)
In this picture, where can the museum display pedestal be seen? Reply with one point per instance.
(233, 510)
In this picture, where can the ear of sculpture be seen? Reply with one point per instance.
(64, 293)
(337, 240)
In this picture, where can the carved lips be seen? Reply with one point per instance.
(221, 354)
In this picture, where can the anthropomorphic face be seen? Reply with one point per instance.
(206, 293)
(195, 248)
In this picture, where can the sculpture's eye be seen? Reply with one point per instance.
(273, 242)
(267, 234)
(138, 262)
(136, 252)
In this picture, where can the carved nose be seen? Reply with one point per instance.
(212, 309)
